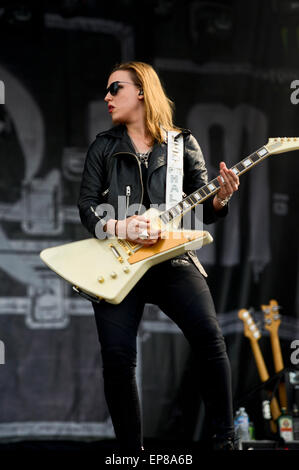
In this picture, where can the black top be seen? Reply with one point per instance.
(144, 165)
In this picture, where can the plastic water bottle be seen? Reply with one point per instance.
(241, 423)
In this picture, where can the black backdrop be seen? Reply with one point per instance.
(229, 67)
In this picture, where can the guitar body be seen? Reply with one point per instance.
(108, 269)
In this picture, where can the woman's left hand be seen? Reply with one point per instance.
(229, 183)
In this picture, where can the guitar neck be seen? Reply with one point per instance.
(260, 363)
(276, 352)
(278, 366)
(272, 323)
(212, 187)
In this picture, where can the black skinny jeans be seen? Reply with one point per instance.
(182, 293)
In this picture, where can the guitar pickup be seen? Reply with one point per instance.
(116, 253)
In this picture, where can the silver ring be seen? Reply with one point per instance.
(144, 235)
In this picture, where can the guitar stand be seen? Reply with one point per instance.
(270, 387)
(276, 378)
(273, 440)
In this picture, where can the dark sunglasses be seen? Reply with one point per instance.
(115, 86)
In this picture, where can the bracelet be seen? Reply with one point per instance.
(111, 232)
(115, 232)
(223, 202)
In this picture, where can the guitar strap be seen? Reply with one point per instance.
(174, 176)
(174, 179)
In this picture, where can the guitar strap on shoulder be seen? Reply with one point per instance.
(174, 180)
(174, 177)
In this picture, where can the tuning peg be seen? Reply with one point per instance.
(266, 309)
(274, 305)
(276, 308)
(244, 314)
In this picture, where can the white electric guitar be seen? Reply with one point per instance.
(108, 269)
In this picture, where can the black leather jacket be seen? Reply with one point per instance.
(111, 167)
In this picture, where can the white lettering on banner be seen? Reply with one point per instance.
(232, 123)
(2, 352)
(2, 92)
(295, 354)
(294, 95)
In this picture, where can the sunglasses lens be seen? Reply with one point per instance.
(113, 88)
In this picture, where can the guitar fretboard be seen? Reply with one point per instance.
(212, 187)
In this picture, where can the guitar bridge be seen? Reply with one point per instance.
(116, 253)
(129, 247)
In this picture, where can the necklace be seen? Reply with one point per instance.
(143, 156)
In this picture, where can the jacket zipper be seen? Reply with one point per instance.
(128, 194)
(105, 192)
(140, 176)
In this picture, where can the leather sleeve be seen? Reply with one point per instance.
(196, 175)
(92, 186)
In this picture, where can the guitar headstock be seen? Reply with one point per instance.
(276, 145)
(251, 331)
(271, 316)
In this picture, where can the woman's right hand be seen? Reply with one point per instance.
(136, 227)
(133, 229)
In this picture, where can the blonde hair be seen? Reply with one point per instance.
(158, 107)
